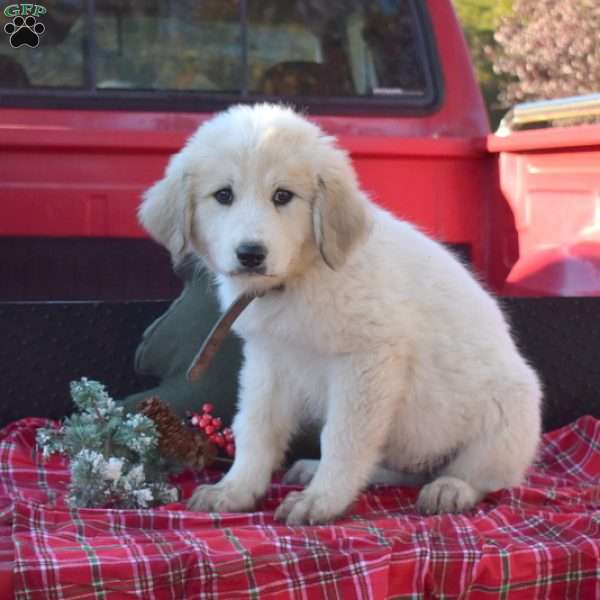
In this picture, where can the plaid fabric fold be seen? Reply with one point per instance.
(540, 540)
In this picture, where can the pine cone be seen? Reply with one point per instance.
(176, 441)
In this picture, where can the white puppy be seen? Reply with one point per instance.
(366, 325)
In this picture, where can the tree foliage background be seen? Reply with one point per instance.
(551, 46)
(480, 19)
(532, 49)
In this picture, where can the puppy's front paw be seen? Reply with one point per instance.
(306, 508)
(221, 497)
(446, 495)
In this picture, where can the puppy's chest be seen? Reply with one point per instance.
(304, 379)
(297, 325)
(277, 318)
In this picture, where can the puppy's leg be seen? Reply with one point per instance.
(303, 470)
(262, 429)
(362, 395)
(496, 458)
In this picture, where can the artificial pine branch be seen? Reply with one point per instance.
(115, 458)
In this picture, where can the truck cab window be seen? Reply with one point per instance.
(58, 60)
(236, 48)
(334, 48)
(174, 45)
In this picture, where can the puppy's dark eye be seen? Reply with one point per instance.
(281, 197)
(224, 196)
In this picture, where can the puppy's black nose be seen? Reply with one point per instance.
(251, 254)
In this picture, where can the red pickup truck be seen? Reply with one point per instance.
(94, 97)
(89, 116)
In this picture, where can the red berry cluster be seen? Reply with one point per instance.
(212, 427)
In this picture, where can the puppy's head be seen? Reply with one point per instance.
(260, 194)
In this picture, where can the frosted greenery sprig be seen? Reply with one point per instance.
(114, 458)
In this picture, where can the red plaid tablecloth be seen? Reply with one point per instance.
(541, 540)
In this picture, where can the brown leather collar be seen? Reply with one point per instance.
(218, 333)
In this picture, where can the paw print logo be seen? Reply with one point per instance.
(24, 31)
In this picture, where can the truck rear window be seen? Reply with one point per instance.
(319, 49)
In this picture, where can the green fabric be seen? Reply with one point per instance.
(169, 345)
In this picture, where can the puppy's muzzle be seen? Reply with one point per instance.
(251, 255)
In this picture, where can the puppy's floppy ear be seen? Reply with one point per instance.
(166, 212)
(339, 215)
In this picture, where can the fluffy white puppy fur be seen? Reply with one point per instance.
(366, 325)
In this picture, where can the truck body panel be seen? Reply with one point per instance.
(551, 180)
(75, 175)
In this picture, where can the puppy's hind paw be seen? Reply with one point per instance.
(301, 472)
(220, 498)
(447, 495)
